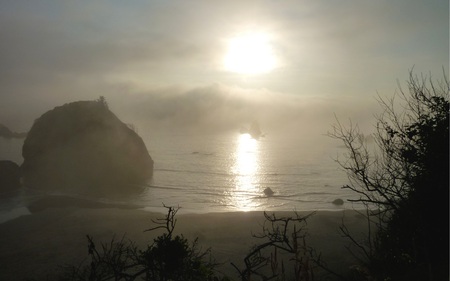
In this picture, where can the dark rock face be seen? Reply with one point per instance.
(9, 176)
(338, 202)
(83, 147)
(268, 191)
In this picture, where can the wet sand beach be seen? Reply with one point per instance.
(34, 245)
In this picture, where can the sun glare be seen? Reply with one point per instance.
(250, 53)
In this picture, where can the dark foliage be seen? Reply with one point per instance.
(404, 183)
(168, 258)
(284, 253)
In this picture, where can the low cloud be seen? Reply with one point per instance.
(217, 108)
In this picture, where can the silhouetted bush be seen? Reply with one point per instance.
(283, 254)
(168, 258)
(404, 183)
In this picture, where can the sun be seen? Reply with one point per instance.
(250, 53)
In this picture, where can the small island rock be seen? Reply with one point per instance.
(268, 191)
(338, 202)
(9, 176)
(83, 147)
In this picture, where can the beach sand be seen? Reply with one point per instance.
(34, 245)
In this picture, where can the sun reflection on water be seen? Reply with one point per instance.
(245, 170)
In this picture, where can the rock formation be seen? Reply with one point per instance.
(9, 176)
(5, 132)
(268, 191)
(83, 147)
(338, 202)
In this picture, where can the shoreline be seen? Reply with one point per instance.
(65, 201)
(35, 244)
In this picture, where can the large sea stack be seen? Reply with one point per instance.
(83, 147)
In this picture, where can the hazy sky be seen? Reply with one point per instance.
(164, 60)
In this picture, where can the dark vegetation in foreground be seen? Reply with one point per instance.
(168, 258)
(403, 180)
(172, 257)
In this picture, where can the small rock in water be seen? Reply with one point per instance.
(268, 191)
(338, 202)
(9, 176)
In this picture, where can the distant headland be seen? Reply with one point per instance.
(6, 133)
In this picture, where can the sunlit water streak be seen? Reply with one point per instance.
(245, 170)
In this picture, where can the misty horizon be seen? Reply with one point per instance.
(196, 64)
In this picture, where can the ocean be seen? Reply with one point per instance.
(225, 172)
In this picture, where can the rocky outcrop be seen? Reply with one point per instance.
(268, 191)
(83, 147)
(338, 202)
(9, 176)
(5, 132)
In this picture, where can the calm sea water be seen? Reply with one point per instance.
(229, 172)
